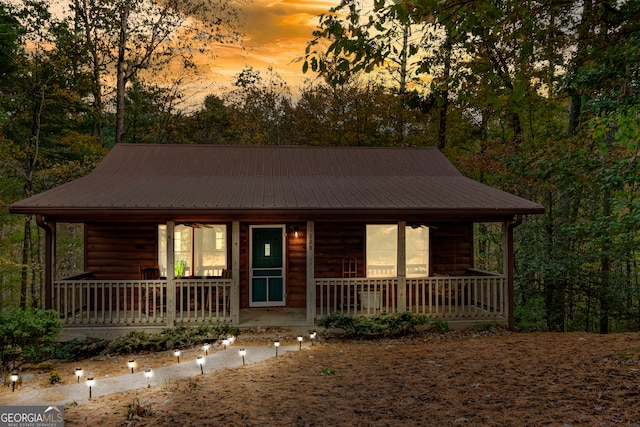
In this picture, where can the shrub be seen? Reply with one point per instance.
(80, 349)
(54, 377)
(383, 324)
(27, 334)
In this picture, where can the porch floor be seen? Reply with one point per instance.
(274, 317)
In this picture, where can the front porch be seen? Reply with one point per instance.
(86, 302)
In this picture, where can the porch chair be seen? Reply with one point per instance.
(350, 300)
(153, 298)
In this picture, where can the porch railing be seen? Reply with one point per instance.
(455, 297)
(141, 302)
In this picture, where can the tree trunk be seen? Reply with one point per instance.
(121, 73)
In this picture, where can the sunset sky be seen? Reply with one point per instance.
(276, 33)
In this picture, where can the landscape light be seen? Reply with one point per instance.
(200, 361)
(78, 374)
(148, 374)
(205, 347)
(312, 336)
(243, 352)
(90, 383)
(276, 344)
(131, 364)
(14, 379)
(177, 355)
(225, 343)
(300, 341)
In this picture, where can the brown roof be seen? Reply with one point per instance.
(177, 180)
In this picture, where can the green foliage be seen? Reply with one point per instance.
(439, 326)
(168, 339)
(54, 377)
(327, 371)
(80, 349)
(27, 334)
(530, 316)
(382, 324)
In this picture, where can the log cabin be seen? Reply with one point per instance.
(185, 234)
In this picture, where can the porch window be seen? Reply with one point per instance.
(417, 251)
(203, 249)
(382, 250)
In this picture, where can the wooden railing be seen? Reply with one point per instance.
(141, 302)
(455, 297)
(357, 296)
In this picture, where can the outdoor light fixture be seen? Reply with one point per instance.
(296, 230)
(225, 343)
(300, 341)
(243, 352)
(90, 383)
(276, 344)
(312, 336)
(14, 379)
(148, 374)
(205, 347)
(177, 355)
(200, 361)
(131, 364)
(78, 374)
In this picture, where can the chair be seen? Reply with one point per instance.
(149, 273)
(153, 300)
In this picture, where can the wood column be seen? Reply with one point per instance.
(235, 274)
(171, 284)
(401, 306)
(311, 283)
(508, 268)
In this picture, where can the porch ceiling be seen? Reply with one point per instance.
(161, 181)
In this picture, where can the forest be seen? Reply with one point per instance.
(537, 98)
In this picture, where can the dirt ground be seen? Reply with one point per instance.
(493, 378)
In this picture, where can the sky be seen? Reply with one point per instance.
(276, 32)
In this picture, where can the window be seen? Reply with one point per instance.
(417, 244)
(382, 250)
(202, 249)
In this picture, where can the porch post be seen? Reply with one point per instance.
(311, 283)
(402, 267)
(171, 284)
(46, 294)
(507, 235)
(235, 274)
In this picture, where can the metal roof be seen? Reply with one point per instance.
(178, 179)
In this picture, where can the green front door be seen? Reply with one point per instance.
(267, 266)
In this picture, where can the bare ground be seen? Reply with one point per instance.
(493, 378)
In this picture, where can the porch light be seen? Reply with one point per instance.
(296, 230)
(312, 336)
(90, 383)
(78, 374)
(243, 352)
(148, 373)
(276, 344)
(177, 355)
(300, 341)
(14, 379)
(205, 347)
(131, 364)
(200, 361)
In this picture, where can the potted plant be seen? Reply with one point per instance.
(180, 267)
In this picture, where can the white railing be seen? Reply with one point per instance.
(141, 302)
(455, 297)
(356, 296)
(470, 297)
(199, 300)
